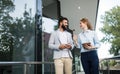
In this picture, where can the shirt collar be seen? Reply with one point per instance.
(86, 31)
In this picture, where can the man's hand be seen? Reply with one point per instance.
(62, 46)
(65, 46)
(68, 46)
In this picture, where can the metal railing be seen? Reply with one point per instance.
(107, 62)
(25, 65)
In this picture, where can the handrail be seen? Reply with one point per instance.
(13, 63)
(108, 60)
(115, 57)
(26, 64)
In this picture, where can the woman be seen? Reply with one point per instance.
(89, 43)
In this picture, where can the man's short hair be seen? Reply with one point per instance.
(61, 19)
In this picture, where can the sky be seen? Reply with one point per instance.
(20, 7)
(104, 5)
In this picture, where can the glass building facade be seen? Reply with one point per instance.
(19, 31)
(24, 34)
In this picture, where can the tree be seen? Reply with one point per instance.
(111, 28)
(14, 32)
(6, 6)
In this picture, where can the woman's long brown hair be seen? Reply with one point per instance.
(85, 20)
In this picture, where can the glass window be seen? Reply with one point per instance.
(17, 33)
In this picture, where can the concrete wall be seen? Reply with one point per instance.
(74, 10)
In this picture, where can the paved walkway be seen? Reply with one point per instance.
(83, 73)
(80, 73)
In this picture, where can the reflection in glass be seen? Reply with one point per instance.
(17, 26)
(48, 26)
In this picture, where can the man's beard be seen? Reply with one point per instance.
(64, 27)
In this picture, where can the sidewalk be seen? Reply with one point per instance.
(83, 73)
(80, 73)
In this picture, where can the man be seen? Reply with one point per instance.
(61, 43)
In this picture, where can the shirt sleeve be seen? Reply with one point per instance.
(79, 42)
(96, 40)
(52, 44)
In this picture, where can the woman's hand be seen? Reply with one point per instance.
(88, 46)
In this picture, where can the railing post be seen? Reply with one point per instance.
(51, 68)
(108, 66)
(26, 69)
